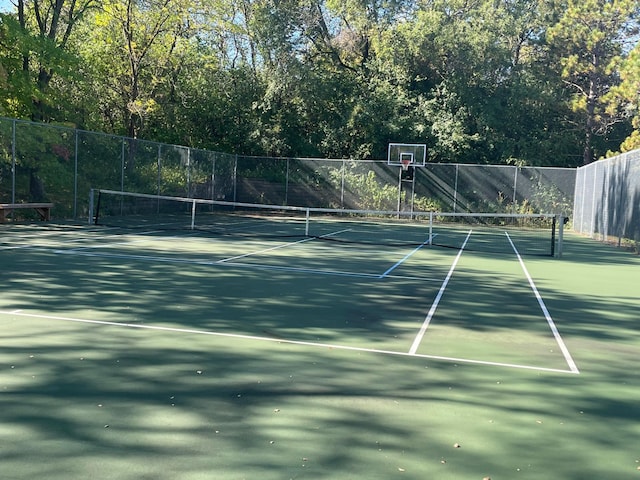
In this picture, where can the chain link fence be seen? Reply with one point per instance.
(41, 162)
(607, 200)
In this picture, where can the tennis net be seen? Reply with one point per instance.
(528, 234)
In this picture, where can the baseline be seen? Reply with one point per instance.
(280, 340)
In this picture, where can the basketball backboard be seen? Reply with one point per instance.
(407, 154)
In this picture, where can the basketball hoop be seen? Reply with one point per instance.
(405, 164)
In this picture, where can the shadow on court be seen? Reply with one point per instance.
(107, 402)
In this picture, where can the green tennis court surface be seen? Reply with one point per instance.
(144, 353)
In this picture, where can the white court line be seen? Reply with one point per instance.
(401, 261)
(106, 245)
(280, 340)
(68, 242)
(17, 247)
(284, 245)
(313, 271)
(257, 266)
(127, 256)
(40, 237)
(552, 325)
(35, 246)
(436, 302)
(124, 242)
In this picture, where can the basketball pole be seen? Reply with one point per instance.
(410, 200)
(413, 190)
(399, 191)
(406, 155)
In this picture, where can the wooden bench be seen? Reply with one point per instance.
(43, 209)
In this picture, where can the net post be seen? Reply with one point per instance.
(306, 223)
(193, 214)
(95, 218)
(561, 221)
(554, 222)
(90, 219)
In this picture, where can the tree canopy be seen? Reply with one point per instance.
(490, 81)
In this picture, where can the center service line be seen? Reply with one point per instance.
(432, 310)
(284, 245)
(400, 262)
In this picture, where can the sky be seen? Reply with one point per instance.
(6, 6)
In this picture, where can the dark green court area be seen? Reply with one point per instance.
(370, 353)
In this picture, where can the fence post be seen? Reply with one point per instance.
(455, 190)
(122, 164)
(592, 229)
(235, 177)
(286, 184)
(159, 178)
(75, 177)
(605, 204)
(515, 188)
(13, 162)
(213, 177)
(342, 172)
(189, 186)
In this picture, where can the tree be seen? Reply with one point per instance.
(134, 50)
(14, 82)
(35, 40)
(478, 79)
(50, 25)
(588, 40)
(483, 81)
(624, 99)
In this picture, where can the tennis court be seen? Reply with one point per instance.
(363, 350)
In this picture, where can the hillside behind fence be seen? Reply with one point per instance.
(42, 162)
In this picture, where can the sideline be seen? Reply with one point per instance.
(552, 325)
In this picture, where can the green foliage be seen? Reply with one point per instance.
(624, 98)
(478, 82)
(270, 169)
(19, 88)
(548, 198)
(425, 204)
(367, 192)
(589, 40)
